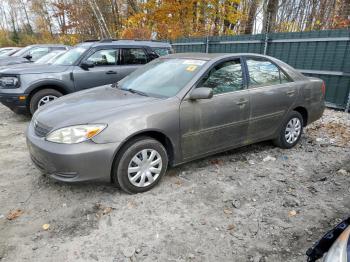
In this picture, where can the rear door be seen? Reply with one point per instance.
(131, 59)
(272, 93)
(219, 123)
(104, 72)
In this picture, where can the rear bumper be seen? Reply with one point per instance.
(71, 163)
(14, 102)
(315, 112)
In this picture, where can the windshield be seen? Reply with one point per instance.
(162, 51)
(162, 77)
(4, 52)
(50, 57)
(70, 57)
(23, 51)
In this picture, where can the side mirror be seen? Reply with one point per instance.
(86, 65)
(28, 57)
(153, 56)
(201, 93)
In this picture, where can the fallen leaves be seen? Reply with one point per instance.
(340, 132)
(46, 227)
(13, 214)
(131, 204)
(216, 162)
(230, 227)
(178, 182)
(292, 213)
(102, 210)
(227, 211)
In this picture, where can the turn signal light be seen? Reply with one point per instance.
(323, 88)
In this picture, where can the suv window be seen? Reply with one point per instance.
(225, 77)
(59, 48)
(264, 73)
(38, 52)
(103, 57)
(161, 51)
(133, 56)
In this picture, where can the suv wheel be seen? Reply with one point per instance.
(42, 97)
(290, 131)
(140, 165)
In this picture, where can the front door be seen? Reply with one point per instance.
(105, 70)
(130, 60)
(219, 123)
(272, 93)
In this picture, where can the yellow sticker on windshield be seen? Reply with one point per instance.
(191, 68)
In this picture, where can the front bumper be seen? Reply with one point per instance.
(71, 163)
(17, 103)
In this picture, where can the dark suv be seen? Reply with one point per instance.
(87, 65)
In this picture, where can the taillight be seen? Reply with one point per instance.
(323, 88)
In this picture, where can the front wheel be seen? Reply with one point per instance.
(291, 130)
(140, 165)
(43, 97)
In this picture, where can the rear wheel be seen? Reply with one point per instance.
(291, 130)
(140, 165)
(42, 97)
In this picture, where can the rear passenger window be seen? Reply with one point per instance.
(133, 56)
(264, 73)
(103, 57)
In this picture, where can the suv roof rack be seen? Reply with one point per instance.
(91, 40)
(107, 40)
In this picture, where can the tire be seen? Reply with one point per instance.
(34, 101)
(294, 135)
(135, 150)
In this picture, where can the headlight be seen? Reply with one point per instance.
(9, 81)
(339, 251)
(75, 134)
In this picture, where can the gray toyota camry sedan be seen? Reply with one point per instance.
(173, 110)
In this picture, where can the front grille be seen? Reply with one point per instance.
(40, 129)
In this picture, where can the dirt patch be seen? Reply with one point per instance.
(256, 203)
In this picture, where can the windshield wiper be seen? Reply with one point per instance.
(136, 92)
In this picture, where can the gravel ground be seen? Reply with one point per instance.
(257, 203)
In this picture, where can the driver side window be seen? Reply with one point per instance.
(103, 57)
(225, 77)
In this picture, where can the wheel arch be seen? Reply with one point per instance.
(304, 113)
(155, 134)
(46, 85)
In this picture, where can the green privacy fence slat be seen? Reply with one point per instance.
(327, 50)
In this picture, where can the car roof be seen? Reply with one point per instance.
(9, 47)
(126, 42)
(50, 45)
(211, 56)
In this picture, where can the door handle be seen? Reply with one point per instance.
(290, 92)
(242, 102)
(110, 72)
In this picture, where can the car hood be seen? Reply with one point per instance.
(33, 69)
(12, 60)
(90, 106)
